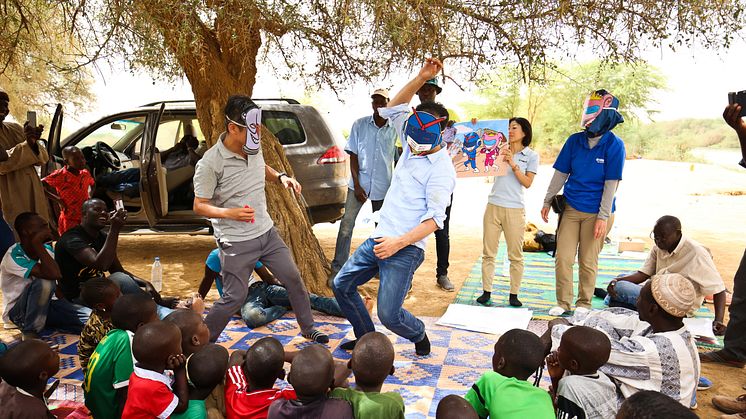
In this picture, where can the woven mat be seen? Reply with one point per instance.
(457, 359)
(538, 285)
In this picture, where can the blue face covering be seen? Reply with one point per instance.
(423, 132)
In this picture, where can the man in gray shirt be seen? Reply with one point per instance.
(229, 189)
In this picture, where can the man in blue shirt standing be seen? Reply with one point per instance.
(371, 147)
(415, 207)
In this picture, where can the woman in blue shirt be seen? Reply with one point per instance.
(589, 167)
(505, 212)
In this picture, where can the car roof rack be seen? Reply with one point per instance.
(287, 100)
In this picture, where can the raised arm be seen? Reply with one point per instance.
(105, 258)
(732, 116)
(430, 69)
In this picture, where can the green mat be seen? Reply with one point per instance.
(538, 287)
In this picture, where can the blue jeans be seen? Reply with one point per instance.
(396, 274)
(266, 303)
(35, 309)
(128, 285)
(344, 235)
(626, 293)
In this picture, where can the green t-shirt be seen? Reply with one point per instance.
(109, 369)
(501, 397)
(372, 405)
(195, 410)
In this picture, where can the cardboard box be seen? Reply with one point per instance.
(631, 246)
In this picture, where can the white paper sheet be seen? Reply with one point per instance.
(495, 321)
(700, 328)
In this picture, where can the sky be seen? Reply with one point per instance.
(698, 83)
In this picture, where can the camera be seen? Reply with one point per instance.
(739, 98)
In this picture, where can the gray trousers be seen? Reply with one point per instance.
(237, 260)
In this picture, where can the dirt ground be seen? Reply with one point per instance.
(707, 198)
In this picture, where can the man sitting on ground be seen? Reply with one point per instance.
(268, 299)
(645, 345)
(86, 252)
(674, 253)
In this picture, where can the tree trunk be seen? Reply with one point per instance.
(216, 70)
(284, 207)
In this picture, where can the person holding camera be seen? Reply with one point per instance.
(589, 167)
(21, 189)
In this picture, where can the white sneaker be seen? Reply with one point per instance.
(556, 311)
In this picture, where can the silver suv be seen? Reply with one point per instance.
(135, 138)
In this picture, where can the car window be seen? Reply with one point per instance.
(285, 126)
(171, 131)
(117, 134)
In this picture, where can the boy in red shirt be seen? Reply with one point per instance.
(73, 184)
(157, 347)
(249, 384)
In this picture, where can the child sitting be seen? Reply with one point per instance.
(194, 332)
(109, 368)
(372, 361)
(455, 407)
(25, 369)
(73, 184)
(204, 371)
(312, 375)
(157, 347)
(504, 391)
(648, 404)
(249, 385)
(99, 294)
(580, 390)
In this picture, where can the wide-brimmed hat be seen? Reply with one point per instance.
(434, 82)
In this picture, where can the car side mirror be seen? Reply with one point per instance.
(118, 127)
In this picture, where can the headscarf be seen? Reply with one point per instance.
(674, 293)
(600, 113)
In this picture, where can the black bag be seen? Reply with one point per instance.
(548, 242)
(558, 204)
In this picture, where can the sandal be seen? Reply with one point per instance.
(716, 358)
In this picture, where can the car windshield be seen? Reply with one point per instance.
(117, 134)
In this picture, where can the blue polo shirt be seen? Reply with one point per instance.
(213, 263)
(589, 169)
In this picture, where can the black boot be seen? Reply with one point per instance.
(422, 347)
(485, 298)
(514, 301)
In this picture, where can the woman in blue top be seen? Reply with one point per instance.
(589, 167)
(505, 212)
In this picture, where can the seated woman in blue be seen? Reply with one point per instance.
(589, 167)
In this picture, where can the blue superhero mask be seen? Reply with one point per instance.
(423, 132)
(600, 113)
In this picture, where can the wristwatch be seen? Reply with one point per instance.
(279, 176)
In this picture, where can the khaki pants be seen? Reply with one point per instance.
(511, 222)
(575, 236)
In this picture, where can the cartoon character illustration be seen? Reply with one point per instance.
(490, 144)
(471, 144)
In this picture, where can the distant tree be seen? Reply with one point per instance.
(218, 44)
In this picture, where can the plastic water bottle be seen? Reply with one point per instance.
(156, 275)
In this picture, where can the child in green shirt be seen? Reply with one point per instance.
(372, 361)
(109, 368)
(504, 392)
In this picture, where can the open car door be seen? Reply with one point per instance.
(53, 142)
(152, 175)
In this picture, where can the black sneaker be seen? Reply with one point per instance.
(600, 293)
(349, 345)
(514, 301)
(484, 299)
(422, 347)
